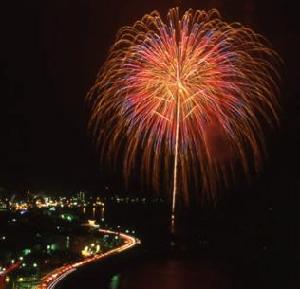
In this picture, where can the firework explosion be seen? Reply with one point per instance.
(183, 101)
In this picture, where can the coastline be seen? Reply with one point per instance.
(56, 276)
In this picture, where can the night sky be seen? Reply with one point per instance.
(50, 54)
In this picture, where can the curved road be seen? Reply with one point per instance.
(53, 278)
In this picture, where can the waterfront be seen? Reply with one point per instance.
(45, 239)
(50, 54)
(151, 270)
(209, 250)
(206, 253)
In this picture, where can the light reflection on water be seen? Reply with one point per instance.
(157, 273)
(115, 282)
(169, 274)
(96, 213)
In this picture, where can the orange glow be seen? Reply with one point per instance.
(188, 97)
(52, 279)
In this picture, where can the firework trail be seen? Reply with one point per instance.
(185, 101)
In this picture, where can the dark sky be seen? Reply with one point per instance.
(51, 51)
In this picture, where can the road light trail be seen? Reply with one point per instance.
(51, 280)
(61, 277)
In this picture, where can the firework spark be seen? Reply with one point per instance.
(184, 100)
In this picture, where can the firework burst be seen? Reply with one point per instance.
(183, 100)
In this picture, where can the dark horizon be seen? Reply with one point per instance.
(51, 52)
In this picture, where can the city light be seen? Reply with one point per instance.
(26, 260)
(51, 280)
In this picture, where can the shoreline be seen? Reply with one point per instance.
(57, 275)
